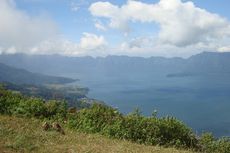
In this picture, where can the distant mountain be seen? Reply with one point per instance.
(121, 66)
(110, 66)
(209, 62)
(21, 76)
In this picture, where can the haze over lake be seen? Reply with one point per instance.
(195, 90)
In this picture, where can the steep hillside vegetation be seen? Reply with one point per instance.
(99, 119)
(74, 96)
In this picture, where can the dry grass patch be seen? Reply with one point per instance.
(26, 135)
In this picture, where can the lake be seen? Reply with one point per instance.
(202, 102)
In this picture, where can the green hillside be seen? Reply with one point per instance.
(22, 129)
(75, 96)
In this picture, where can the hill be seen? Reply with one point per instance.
(98, 119)
(44, 86)
(75, 96)
(26, 135)
(21, 76)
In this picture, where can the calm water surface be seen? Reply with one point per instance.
(203, 104)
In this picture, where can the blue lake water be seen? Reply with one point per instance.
(201, 102)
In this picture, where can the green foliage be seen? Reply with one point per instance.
(30, 107)
(166, 131)
(135, 127)
(211, 145)
(95, 119)
(16, 104)
(71, 94)
(9, 101)
(54, 108)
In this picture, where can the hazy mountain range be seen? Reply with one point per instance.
(201, 64)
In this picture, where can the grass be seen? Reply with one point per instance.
(26, 135)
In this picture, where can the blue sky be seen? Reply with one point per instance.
(73, 23)
(142, 28)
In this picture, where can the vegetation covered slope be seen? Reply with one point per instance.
(75, 96)
(21, 76)
(104, 120)
(26, 135)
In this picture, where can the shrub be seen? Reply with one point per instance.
(55, 109)
(9, 101)
(135, 127)
(14, 103)
(174, 132)
(31, 107)
(95, 119)
(167, 131)
(211, 145)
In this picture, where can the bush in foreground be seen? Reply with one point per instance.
(102, 119)
(211, 145)
(17, 104)
(166, 131)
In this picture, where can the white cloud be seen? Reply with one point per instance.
(21, 33)
(184, 30)
(99, 26)
(56, 46)
(11, 50)
(224, 49)
(89, 44)
(75, 5)
(165, 50)
(20, 30)
(108, 10)
(138, 43)
(181, 23)
(91, 41)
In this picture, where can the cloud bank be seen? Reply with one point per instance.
(181, 23)
(89, 44)
(184, 30)
(18, 31)
(22, 33)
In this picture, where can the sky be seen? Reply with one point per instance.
(169, 28)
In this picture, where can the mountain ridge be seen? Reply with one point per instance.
(205, 62)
